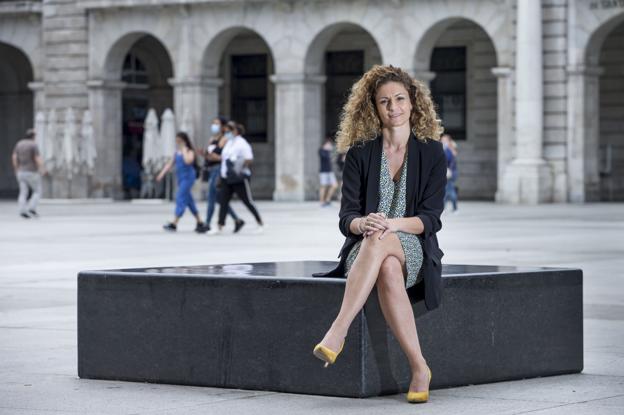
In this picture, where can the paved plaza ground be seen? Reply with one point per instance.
(39, 260)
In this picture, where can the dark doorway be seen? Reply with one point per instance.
(146, 72)
(250, 95)
(343, 69)
(16, 111)
(448, 88)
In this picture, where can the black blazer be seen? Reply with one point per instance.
(426, 182)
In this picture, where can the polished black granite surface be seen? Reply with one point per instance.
(303, 269)
(253, 326)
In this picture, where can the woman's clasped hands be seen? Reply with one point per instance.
(376, 222)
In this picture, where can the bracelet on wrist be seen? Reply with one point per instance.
(360, 225)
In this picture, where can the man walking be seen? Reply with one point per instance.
(28, 167)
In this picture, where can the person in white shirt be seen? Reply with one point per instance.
(236, 160)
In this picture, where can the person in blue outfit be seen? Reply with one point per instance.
(450, 193)
(212, 168)
(186, 173)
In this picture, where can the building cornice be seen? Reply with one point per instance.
(20, 7)
(116, 4)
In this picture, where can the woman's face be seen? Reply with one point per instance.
(216, 126)
(393, 104)
(179, 142)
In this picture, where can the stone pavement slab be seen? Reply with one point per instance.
(39, 260)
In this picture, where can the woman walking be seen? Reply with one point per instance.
(186, 173)
(212, 156)
(236, 160)
(392, 198)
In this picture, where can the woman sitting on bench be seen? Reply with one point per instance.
(392, 197)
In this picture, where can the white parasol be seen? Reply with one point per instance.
(167, 134)
(151, 143)
(69, 143)
(40, 132)
(88, 149)
(51, 143)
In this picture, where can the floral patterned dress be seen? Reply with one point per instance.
(392, 202)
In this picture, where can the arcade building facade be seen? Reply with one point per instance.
(532, 91)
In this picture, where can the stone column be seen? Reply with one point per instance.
(583, 133)
(504, 130)
(298, 135)
(424, 76)
(199, 97)
(38, 91)
(105, 105)
(528, 179)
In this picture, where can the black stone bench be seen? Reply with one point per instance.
(253, 326)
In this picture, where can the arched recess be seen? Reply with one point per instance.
(610, 105)
(137, 70)
(336, 58)
(457, 56)
(16, 110)
(236, 69)
(340, 54)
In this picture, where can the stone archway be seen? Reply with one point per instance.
(146, 72)
(16, 110)
(459, 61)
(611, 116)
(340, 54)
(590, 177)
(237, 67)
(136, 74)
(336, 58)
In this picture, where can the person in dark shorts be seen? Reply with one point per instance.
(326, 173)
(28, 167)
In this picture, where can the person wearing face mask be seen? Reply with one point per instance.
(186, 173)
(212, 163)
(236, 159)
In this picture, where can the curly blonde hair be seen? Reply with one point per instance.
(359, 121)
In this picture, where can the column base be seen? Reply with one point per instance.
(527, 182)
(290, 191)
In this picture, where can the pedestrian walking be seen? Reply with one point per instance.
(450, 151)
(212, 168)
(186, 172)
(236, 160)
(392, 198)
(28, 168)
(326, 173)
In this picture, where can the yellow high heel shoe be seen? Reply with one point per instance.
(325, 354)
(419, 397)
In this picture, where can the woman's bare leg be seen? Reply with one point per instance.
(330, 192)
(397, 310)
(322, 194)
(360, 283)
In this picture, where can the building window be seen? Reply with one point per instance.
(134, 72)
(342, 69)
(250, 95)
(448, 88)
